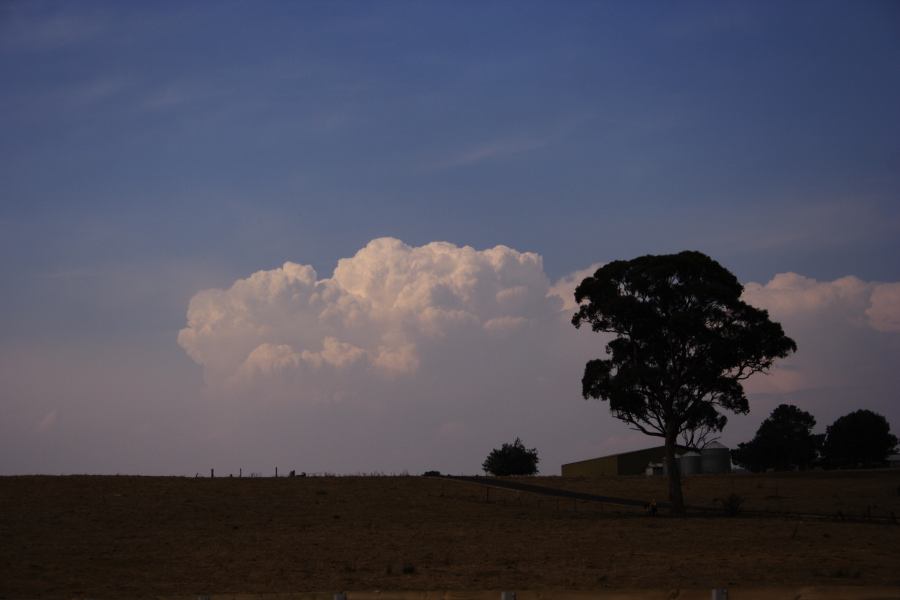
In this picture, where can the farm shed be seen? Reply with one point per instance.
(624, 463)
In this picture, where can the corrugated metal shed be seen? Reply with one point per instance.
(714, 458)
(624, 463)
(605, 465)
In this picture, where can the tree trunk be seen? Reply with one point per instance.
(674, 474)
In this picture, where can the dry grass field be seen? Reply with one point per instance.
(855, 494)
(112, 537)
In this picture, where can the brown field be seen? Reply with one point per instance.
(112, 537)
(854, 493)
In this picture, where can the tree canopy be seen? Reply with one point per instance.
(859, 439)
(784, 441)
(512, 459)
(683, 341)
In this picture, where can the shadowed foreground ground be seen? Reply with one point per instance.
(105, 537)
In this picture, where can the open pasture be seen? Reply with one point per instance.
(854, 494)
(105, 537)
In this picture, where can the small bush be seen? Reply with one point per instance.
(512, 459)
(732, 504)
(431, 474)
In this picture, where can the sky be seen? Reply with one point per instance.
(343, 237)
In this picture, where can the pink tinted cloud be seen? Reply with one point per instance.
(884, 310)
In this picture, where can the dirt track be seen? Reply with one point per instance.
(105, 537)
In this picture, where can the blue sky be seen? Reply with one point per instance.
(150, 151)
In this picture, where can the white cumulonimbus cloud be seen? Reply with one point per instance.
(433, 353)
(379, 311)
(848, 299)
(845, 331)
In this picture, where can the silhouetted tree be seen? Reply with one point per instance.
(783, 442)
(698, 438)
(511, 459)
(683, 342)
(861, 438)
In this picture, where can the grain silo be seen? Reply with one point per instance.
(690, 463)
(715, 458)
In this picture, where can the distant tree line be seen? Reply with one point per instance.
(785, 442)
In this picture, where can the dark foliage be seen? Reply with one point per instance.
(683, 343)
(860, 439)
(783, 442)
(731, 504)
(511, 459)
